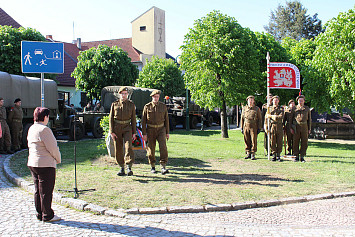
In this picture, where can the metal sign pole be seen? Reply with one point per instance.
(42, 89)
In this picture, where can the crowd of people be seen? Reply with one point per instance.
(293, 122)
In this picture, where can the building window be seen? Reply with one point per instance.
(142, 28)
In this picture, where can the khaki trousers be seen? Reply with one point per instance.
(16, 134)
(289, 136)
(6, 137)
(157, 134)
(301, 133)
(124, 138)
(250, 137)
(276, 138)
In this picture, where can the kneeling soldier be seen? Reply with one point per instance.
(123, 129)
(250, 126)
(276, 131)
(155, 127)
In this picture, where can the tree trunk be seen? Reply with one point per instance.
(224, 127)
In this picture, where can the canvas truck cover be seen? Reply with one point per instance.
(139, 96)
(28, 89)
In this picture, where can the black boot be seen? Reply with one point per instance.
(248, 156)
(129, 171)
(164, 170)
(278, 157)
(273, 157)
(297, 159)
(253, 156)
(302, 159)
(153, 171)
(121, 173)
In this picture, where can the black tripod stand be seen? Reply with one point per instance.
(75, 190)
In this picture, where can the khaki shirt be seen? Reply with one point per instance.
(278, 113)
(155, 114)
(123, 111)
(251, 115)
(287, 117)
(2, 114)
(15, 114)
(301, 115)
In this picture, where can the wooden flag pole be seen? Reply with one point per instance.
(268, 105)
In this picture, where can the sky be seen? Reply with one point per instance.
(95, 20)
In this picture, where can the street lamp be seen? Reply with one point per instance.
(187, 117)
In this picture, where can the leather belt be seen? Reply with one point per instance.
(250, 121)
(156, 126)
(17, 120)
(122, 121)
(301, 123)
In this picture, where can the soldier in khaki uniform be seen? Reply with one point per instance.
(287, 126)
(6, 136)
(250, 124)
(263, 112)
(301, 128)
(155, 127)
(122, 127)
(15, 121)
(275, 116)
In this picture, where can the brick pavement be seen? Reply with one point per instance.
(329, 217)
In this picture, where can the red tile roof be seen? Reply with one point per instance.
(125, 44)
(6, 20)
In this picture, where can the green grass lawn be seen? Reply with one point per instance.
(204, 169)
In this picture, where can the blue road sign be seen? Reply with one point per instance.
(42, 57)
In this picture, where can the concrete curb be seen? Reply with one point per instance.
(121, 213)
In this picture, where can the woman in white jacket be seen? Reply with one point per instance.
(43, 158)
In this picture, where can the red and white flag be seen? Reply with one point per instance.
(284, 75)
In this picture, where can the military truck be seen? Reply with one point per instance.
(139, 96)
(178, 113)
(61, 117)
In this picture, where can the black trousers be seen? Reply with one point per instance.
(44, 181)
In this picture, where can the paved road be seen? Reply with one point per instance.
(331, 217)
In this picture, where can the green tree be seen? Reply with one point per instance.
(10, 48)
(220, 60)
(162, 74)
(333, 65)
(292, 21)
(103, 66)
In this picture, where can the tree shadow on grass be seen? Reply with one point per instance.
(197, 171)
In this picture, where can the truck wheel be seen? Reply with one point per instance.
(79, 131)
(24, 134)
(97, 130)
(209, 121)
(193, 122)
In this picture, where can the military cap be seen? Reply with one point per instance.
(155, 92)
(123, 88)
(275, 96)
(250, 97)
(300, 96)
(290, 101)
(266, 96)
(17, 100)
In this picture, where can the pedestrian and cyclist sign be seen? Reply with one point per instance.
(42, 57)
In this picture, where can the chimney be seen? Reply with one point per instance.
(49, 37)
(78, 43)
